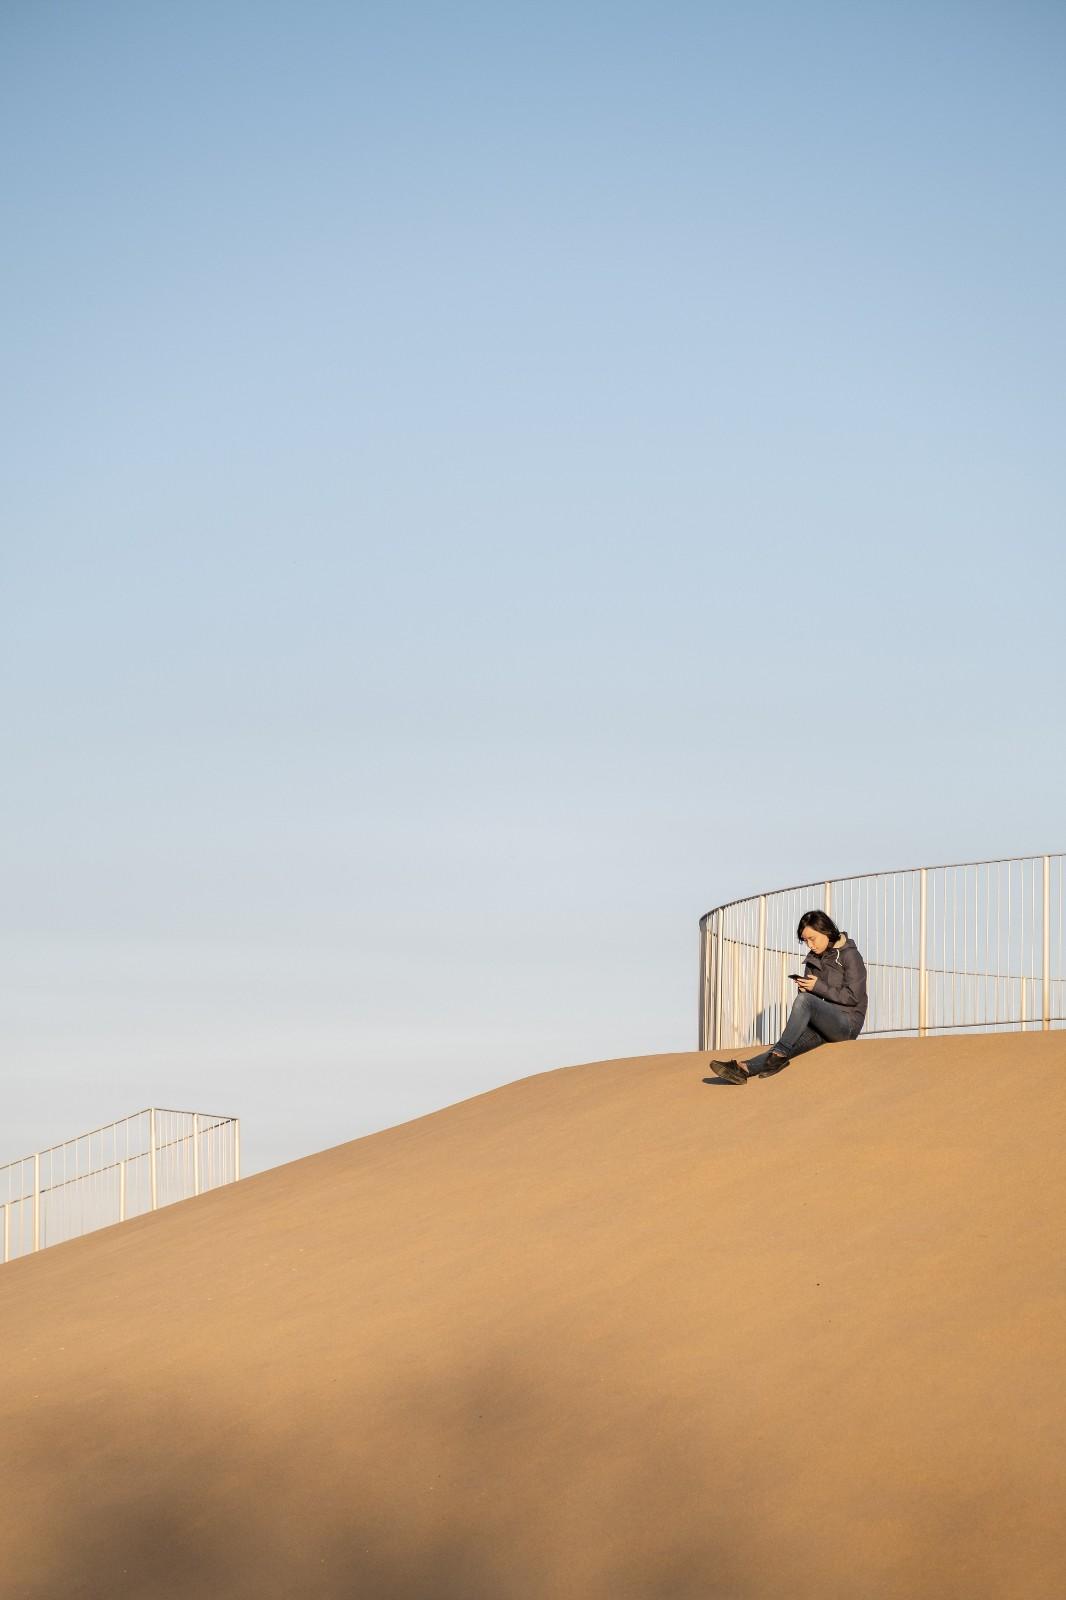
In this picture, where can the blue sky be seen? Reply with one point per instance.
(482, 485)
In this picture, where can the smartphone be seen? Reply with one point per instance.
(796, 976)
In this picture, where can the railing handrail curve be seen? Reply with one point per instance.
(886, 872)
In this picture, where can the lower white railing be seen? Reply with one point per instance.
(137, 1164)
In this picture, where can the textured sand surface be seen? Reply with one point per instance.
(607, 1332)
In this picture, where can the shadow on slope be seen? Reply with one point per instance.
(492, 1499)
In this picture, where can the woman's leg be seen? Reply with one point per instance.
(800, 1019)
(811, 1022)
(775, 1059)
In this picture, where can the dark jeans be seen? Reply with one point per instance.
(811, 1022)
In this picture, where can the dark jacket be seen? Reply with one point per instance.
(841, 976)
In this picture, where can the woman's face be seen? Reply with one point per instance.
(817, 943)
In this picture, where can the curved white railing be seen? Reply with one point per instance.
(975, 945)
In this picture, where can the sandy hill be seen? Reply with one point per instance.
(607, 1332)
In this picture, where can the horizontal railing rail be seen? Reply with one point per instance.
(970, 946)
(117, 1171)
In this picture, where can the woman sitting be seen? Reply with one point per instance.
(830, 1005)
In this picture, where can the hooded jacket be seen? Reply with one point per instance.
(841, 977)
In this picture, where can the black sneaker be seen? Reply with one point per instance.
(731, 1071)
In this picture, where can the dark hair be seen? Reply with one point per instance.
(820, 923)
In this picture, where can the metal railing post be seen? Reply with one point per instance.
(196, 1153)
(718, 985)
(152, 1159)
(7, 1233)
(37, 1201)
(923, 1017)
(236, 1148)
(1045, 1004)
(122, 1191)
(705, 986)
(760, 960)
(827, 897)
(736, 992)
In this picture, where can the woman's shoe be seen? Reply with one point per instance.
(731, 1071)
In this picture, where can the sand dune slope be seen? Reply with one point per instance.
(608, 1332)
